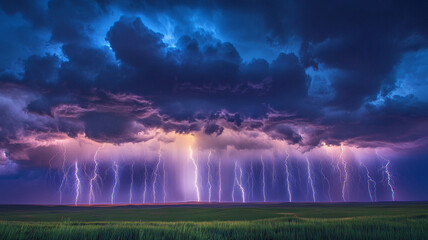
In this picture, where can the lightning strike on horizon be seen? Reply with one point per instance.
(345, 168)
(370, 180)
(310, 180)
(94, 177)
(196, 173)
(131, 185)
(240, 184)
(209, 177)
(77, 185)
(388, 174)
(288, 177)
(219, 180)
(264, 180)
(155, 175)
(145, 181)
(116, 180)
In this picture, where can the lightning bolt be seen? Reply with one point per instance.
(164, 181)
(239, 183)
(235, 182)
(328, 152)
(196, 172)
(219, 180)
(337, 167)
(64, 173)
(145, 181)
(94, 177)
(310, 181)
(209, 177)
(345, 168)
(116, 180)
(388, 174)
(288, 177)
(370, 181)
(132, 183)
(155, 175)
(264, 182)
(331, 164)
(77, 185)
(334, 164)
(328, 182)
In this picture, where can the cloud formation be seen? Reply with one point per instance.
(114, 71)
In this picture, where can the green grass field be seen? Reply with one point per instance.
(224, 221)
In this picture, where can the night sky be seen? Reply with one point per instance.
(158, 101)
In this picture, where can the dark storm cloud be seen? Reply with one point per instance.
(136, 81)
(105, 127)
(399, 119)
(41, 71)
(364, 40)
(284, 132)
(361, 39)
(213, 128)
(34, 11)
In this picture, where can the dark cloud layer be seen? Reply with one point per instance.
(134, 80)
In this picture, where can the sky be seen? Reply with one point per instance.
(163, 101)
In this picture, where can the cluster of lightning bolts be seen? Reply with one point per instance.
(239, 185)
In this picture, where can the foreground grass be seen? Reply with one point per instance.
(273, 222)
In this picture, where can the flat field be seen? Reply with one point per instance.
(217, 221)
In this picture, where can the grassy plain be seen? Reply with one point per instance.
(217, 221)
